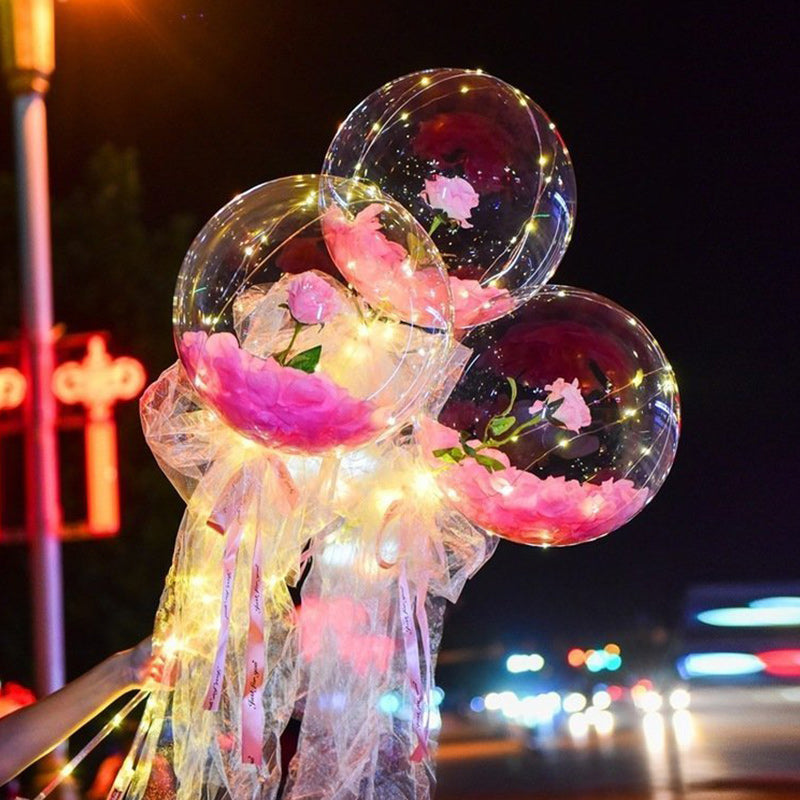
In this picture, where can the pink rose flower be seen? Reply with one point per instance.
(454, 196)
(573, 413)
(375, 267)
(312, 299)
(360, 244)
(475, 304)
(523, 507)
(278, 406)
(380, 269)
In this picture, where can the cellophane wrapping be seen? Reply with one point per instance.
(355, 661)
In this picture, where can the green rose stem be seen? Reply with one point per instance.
(537, 419)
(282, 356)
(505, 427)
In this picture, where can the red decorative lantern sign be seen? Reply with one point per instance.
(97, 382)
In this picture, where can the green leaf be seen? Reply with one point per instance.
(499, 425)
(450, 454)
(284, 305)
(492, 464)
(469, 449)
(307, 360)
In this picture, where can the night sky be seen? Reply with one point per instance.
(681, 120)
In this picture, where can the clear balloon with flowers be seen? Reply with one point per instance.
(375, 384)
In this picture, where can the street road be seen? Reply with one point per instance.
(733, 744)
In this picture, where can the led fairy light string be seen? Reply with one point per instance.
(112, 725)
(153, 715)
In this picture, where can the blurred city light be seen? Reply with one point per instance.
(782, 663)
(530, 710)
(751, 616)
(679, 699)
(539, 709)
(696, 665)
(574, 702)
(683, 727)
(613, 662)
(519, 662)
(578, 725)
(644, 697)
(776, 602)
(651, 701)
(600, 719)
(601, 699)
(576, 657)
(596, 660)
(509, 704)
(653, 729)
(436, 696)
(389, 703)
(616, 692)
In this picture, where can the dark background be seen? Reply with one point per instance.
(681, 120)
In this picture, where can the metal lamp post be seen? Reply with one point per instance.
(28, 61)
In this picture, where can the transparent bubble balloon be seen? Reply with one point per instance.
(276, 341)
(563, 425)
(481, 167)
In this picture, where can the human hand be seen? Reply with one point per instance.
(148, 667)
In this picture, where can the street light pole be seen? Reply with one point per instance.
(42, 495)
(28, 61)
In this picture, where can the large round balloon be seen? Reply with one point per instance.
(563, 425)
(275, 340)
(481, 167)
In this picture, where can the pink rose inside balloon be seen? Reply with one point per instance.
(454, 196)
(276, 341)
(563, 425)
(481, 167)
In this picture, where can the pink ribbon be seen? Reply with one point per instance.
(252, 705)
(233, 538)
(413, 673)
(226, 519)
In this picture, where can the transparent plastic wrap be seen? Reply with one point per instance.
(370, 626)
(226, 607)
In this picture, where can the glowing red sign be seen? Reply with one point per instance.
(97, 382)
